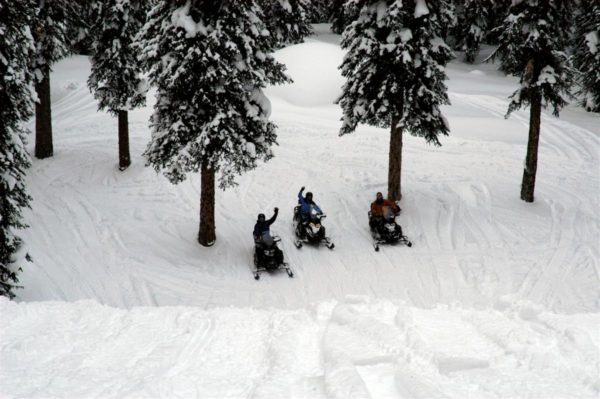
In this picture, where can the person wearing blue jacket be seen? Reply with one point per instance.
(306, 201)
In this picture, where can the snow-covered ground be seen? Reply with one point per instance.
(497, 298)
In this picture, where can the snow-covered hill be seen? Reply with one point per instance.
(497, 298)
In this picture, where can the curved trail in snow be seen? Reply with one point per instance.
(497, 298)
(128, 238)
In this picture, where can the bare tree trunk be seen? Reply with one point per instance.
(528, 184)
(206, 235)
(124, 157)
(43, 117)
(395, 163)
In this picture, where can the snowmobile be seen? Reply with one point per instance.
(311, 230)
(387, 231)
(268, 257)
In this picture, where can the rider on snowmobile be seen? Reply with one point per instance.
(305, 203)
(262, 225)
(377, 210)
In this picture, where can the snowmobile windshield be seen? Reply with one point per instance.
(267, 239)
(315, 215)
(388, 213)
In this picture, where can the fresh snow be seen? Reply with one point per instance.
(497, 297)
(591, 39)
(421, 8)
(347, 349)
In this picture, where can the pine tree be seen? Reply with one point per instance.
(209, 61)
(319, 11)
(532, 46)
(50, 34)
(496, 15)
(586, 57)
(16, 106)
(395, 70)
(116, 77)
(287, 20)
(473, 26)
(341, 14)
(78, 34)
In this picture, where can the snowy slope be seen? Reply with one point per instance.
(496, 298)
(128, 238)
(351, 349)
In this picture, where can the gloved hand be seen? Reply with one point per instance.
(302, 189)
(276, 210)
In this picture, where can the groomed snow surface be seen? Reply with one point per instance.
(497, 298)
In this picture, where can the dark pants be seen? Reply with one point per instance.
(375, 222)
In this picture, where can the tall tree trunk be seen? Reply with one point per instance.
(124, 157)
(528, 184)
(395, 163)
(206, 235)
(43, 117)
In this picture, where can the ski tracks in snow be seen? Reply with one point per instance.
(355, 348)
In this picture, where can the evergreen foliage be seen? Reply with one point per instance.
(209, 62)
(341, 14)
(395, 67)
(17, 96)
(586, 57)
(287, 20)
(116, 76)
(50, 33)
(78, 31)
(473, 26)
(532, 46)
(319, 11)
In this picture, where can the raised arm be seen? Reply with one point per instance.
(274, 217)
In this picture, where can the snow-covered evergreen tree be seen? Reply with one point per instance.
(533, 42)
(50, 34)
(473, 26)
(209, 61)
(341, 14)
(16, 106)
(496, 15)
(319, 11)
(586, 56)
(78, 30)
(116, 77)
(395, 70)
(287, 20)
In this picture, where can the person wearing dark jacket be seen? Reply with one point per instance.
(263, 225)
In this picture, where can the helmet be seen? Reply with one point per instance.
(261, 217)
(308, 196)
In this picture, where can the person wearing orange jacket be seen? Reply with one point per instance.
(377, 210)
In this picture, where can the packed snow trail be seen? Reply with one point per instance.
(128, 238)
(497, 298)
(355, 348)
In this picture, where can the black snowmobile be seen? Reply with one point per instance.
(385, 230)
(310, 230)
(268, 257)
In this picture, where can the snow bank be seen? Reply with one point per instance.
(349, 349)
(317, 81)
